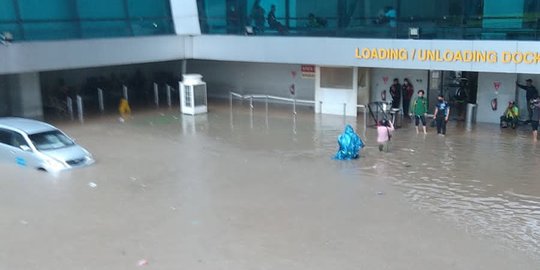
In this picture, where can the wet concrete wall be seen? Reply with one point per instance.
(487, 91)
(252, 78)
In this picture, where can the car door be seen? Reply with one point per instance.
(15, 149)
(6, 154)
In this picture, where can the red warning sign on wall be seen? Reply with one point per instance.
(308, 71)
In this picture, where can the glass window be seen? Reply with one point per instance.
(7, 11)
(50, 140)
(17, 140)
(199, 94)
(142, 8)
(12, 138)
(5, 136)
(47, 10)
(51, 30)
(73, 19)
(97, 9)
(105, 28)
(314, 15)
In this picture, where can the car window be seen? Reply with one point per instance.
(5, 136)
(17, 140)
(50, 140)
(12, 138)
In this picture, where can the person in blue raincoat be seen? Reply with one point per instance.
(349, 144)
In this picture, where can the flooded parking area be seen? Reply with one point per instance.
(233, 189)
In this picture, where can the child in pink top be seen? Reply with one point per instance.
(384, 134)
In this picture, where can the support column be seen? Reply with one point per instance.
(25, 95)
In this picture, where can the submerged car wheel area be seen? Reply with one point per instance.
(35, 144)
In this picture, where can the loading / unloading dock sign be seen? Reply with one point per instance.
(448, 55)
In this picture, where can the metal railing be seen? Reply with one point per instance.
(294, 102)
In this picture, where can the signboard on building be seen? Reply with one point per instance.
(308, 71)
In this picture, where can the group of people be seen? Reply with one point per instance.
(440, 114)
(400, 92)
(258, 17)
(350, 143)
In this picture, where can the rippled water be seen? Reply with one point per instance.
(234, 190)
(485, 179)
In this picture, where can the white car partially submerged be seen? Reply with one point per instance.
(38, 145)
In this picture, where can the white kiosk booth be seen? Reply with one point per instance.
(193, 98)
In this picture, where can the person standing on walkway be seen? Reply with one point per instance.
(420, 109)
(535, 117)
(531, 93)
(442, 110)
(395, 92)
(460, 98)
(407, 91)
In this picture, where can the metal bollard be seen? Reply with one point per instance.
(69, 103)
(266, 108)
(344, 113)
(156, 95)
(294, 124)
(251, 111)
(365, 120)
(320, 107)
(169, 100)
(231, 109)
(100, 100)
(266, 104)
(125, 92)
(80, 109)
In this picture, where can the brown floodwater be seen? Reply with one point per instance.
(238, 190)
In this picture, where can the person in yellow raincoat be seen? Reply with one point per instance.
(124, 109)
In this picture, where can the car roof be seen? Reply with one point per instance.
(27, 126)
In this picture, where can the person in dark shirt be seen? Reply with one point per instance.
(531, 93)
(460, 100)
(535, 117)
(395, 92)
(407, 91)
(257, 15)
(442, 110)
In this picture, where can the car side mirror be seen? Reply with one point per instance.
(25, 148)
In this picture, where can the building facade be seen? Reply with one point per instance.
(335, 52)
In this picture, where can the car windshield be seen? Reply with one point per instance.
(50, 140)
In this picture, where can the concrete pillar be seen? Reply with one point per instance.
(25, 95)
(5, 107)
